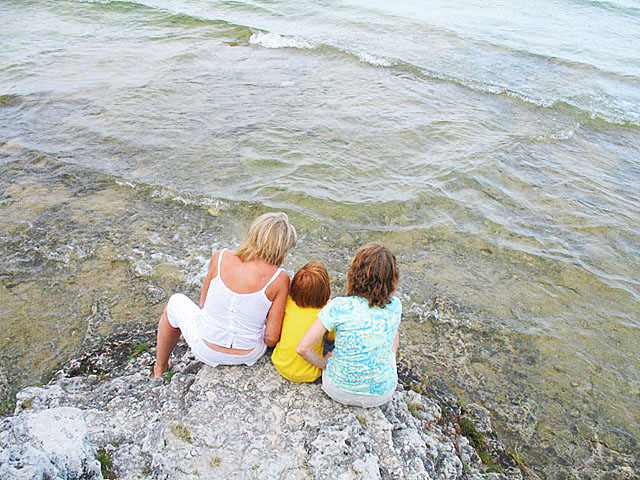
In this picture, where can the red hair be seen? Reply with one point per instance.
(310, 286)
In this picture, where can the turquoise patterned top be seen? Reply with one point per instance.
(362, 361)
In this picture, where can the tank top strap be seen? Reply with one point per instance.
(220, 262)
(275, 275)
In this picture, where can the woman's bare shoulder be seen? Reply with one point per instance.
(282, 280)
(214, 257)
(213, 263)
(283, 277)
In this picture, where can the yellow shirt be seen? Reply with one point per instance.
(295, 324)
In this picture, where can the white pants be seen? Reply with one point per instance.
(184, 314)
(356, 399)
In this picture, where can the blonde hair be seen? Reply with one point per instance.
(310, 287)
(270, 237)
(373, 274)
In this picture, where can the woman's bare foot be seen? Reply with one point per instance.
(158, 371)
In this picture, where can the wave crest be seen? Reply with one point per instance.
(273, 40)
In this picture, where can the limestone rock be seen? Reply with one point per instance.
(227, 423)
(51, 443)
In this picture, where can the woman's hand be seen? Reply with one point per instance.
(306, 343)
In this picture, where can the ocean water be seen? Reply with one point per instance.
(494, 146)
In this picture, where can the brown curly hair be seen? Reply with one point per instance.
(373, 274)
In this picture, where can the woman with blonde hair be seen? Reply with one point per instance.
(241, 304)
(362, 369)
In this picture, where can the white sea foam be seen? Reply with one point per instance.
(124, 183)
(273, 40)
(66, 253)
(140, 265)
(197, 278)
(167, 193)
(374, 60)
(564, 134)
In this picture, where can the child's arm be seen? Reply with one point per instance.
(306, 343)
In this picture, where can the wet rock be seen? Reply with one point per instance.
(154, 294)
(480, 416)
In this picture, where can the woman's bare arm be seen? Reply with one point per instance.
(396, 344)
(306, 343)
(276, 312)
(211, 274)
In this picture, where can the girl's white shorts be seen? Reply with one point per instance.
(356, 399)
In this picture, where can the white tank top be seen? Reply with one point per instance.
(234, 320)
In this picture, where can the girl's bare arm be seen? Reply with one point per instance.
(306, 343)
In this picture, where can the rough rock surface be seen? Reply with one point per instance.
(226, 423)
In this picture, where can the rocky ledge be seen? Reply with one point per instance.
(101, 417)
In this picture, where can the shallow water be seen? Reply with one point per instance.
(493, 148)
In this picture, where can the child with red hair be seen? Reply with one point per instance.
(309, 292)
